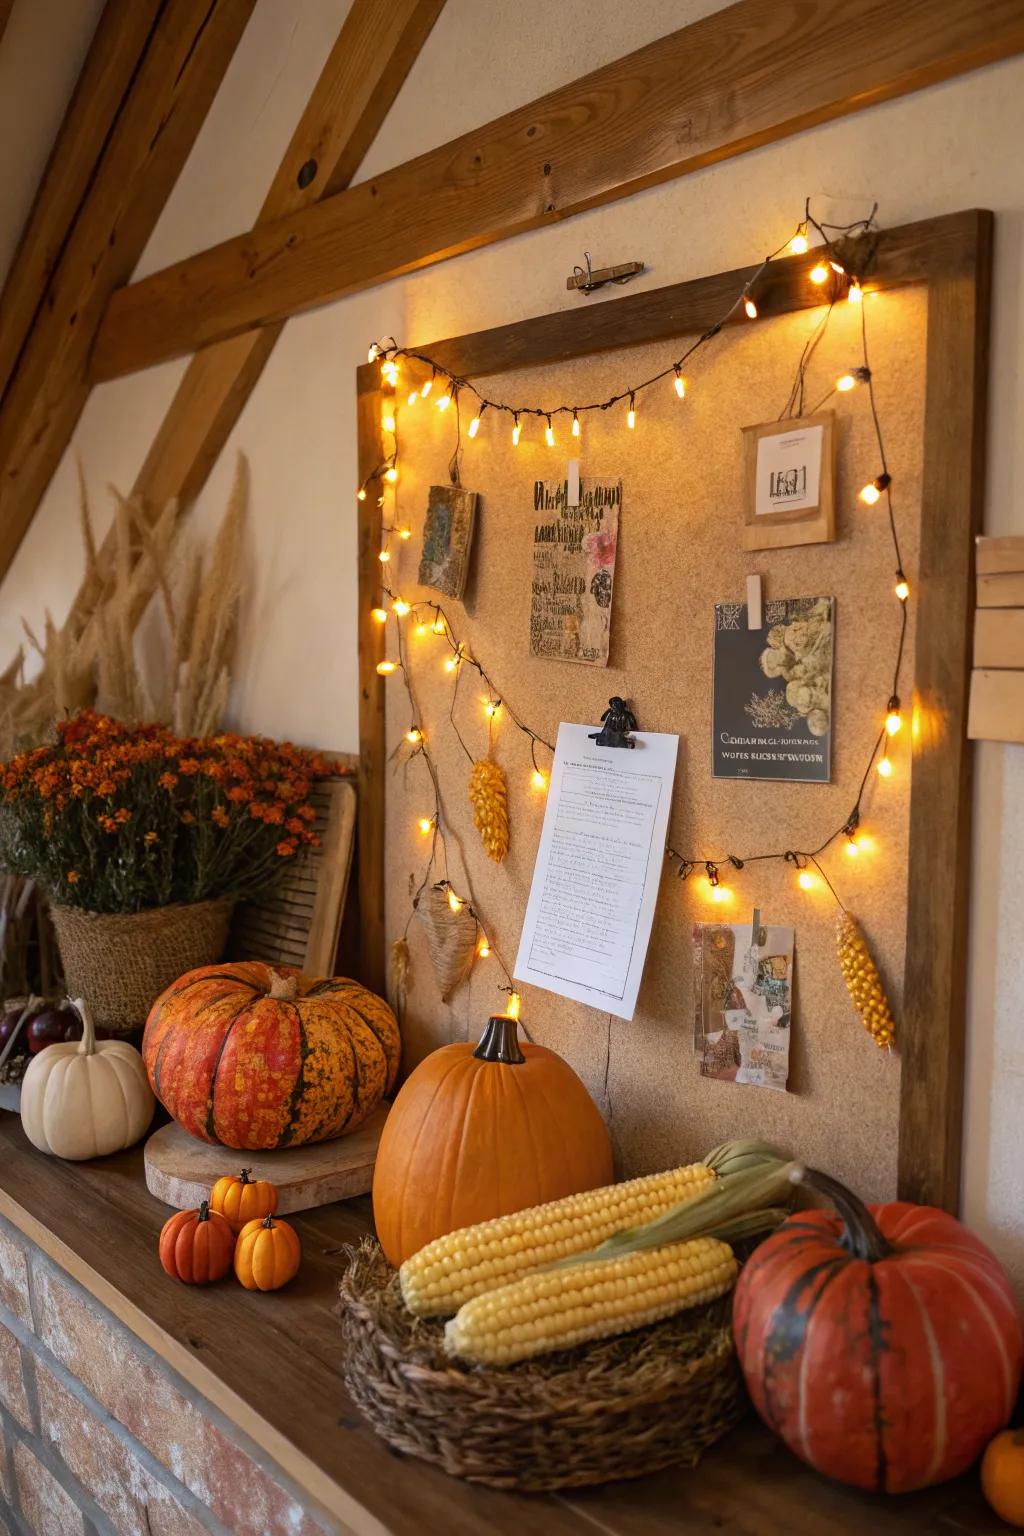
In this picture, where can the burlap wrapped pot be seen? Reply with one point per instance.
(121, 962)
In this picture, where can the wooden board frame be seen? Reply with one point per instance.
(952, 255)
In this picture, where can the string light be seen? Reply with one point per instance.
(538, 779)
(391, 474)
(385, 668)
(799, 244)
(380, 614)
(852, 845)
(902, 587)
(874, 488)
(893, 718)
(549, 434)
(404, 533)
(855, 292)
(361, 493)
(388, 422)
(819, 274)
(517, 431)
(750, 308)
(425, 823)
(446, 399)
(575, 424)
(631, 413)
(421, 629)
(374, 352)
(389, 372)
(483, 949)
(414, 734)
(806, 881)
(428, 384)
(514, 1005)
(401, 607)
(680, 383)
(455, 902)
(474, 426)
(845, 382)
(414, 395)
(384, 556)
(885, 766)
(837, 267)
(491, 707)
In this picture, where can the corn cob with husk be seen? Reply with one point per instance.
(555, 1310)
(454, 1268)
(488, 793)
(863, 982)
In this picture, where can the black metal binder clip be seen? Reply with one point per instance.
(616, 723)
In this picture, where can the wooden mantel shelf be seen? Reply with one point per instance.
(272, 1364)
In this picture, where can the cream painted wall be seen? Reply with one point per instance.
(936, 151)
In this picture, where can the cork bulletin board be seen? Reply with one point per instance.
(849, 1107)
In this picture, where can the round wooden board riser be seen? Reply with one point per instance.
(181, 1170)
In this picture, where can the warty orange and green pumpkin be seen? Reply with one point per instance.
(253, 1057)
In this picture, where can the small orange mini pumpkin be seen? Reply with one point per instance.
(196, 1246)
(267, 1255)
(243, 1199)
(1002, 1475)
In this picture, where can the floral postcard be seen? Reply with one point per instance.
(772, 712)
(743, 1002)
(574, 570)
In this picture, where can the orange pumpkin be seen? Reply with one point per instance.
(1002, 1475)
(267, 1255)
(480, 1132)
(197, 1246)
(255, 1058)
(243, 1199)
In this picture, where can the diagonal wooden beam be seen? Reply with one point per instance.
(118, 44)
(189, 50)
(6, 7)
(740, 78)
(363, 74)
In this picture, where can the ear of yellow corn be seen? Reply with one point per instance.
(539, 1313)
(460, 1265)
(863, 982)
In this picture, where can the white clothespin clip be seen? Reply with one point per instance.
(754, 618)
(572, 496)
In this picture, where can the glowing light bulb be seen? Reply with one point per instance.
(798, 244)
(385, 668)
(852, 848)
(750, 308)
(413, 735)
(575, 425)
(819, 274)
(836, 267)
(428, 385)
(421, 629)
(885, 767)
(483, 949)
(855, 292)
(491, 708)
(388, 422)
(902, 589)
(405, 533)
(538, 780)
(474, 426)
(384, 556)
(455, 902)
(401, 607)
(514, 1005)
(719, 893)
(425, 823)
(549, 434)
(389, 372)
(374, 352)
(381, 615)
(805, 880)
(874, 488)
(438, 626)
(517, 433)
(631, 414)
(361, 493)
(445, 401)
(413, 397)
(846, 381)
(893, 718)
(680, 385)
(391, 474)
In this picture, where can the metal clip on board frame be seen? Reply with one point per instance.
(616, 723)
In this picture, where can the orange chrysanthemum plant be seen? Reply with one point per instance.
(118, 818)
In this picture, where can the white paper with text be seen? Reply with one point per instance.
(598, 869)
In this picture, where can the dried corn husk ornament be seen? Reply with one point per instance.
(863, 981)
(451, 937)
(488, 794)
(400, 966)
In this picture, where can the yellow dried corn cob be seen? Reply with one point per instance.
(488, 793)
(863, 981)
(555, 1310)
(454, 1268)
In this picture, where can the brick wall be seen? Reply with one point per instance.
(101, 1438)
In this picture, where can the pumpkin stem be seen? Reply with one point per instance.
(203, 1214)
(500, 1042)
(268, 1222)
(243, 1177)
(862, 1237)
(283, 989)
(87, 1044)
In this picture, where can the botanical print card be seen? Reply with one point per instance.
(574, 570)
(742, 994)
(772, 711)
(447, 539)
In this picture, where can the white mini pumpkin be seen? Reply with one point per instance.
(86, 1098)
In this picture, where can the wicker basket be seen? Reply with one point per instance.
(120, 963)
(618, 1408)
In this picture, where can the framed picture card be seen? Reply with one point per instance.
(790, 482)
(447, 539)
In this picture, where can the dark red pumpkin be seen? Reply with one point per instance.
(884, 1346)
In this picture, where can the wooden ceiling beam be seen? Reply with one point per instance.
(188, 51)
(364, 72)
(118, 44)
(738, 79)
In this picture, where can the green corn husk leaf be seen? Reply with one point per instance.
(737, 1156)
(749, 1194)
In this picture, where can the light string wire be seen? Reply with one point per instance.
(839, 248)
